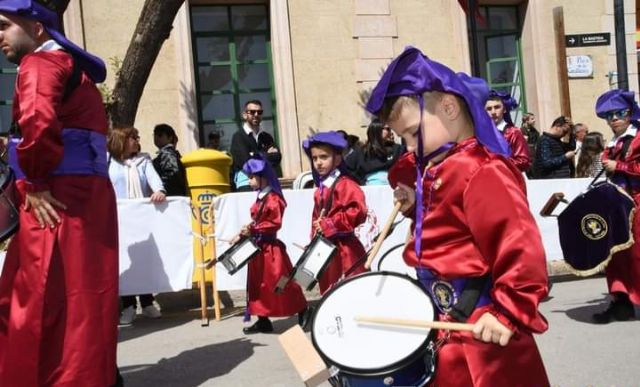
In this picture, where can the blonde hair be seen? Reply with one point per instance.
(117, 140)
(392, 107)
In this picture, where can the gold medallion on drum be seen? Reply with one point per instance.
(594, 226)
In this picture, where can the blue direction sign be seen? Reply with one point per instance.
(587, 40)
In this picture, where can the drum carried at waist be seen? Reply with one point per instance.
(311, 264)
(369, 354)
(236, 257)
(594, 226)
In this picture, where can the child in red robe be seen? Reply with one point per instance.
(339, 206)
(472, 226)
(273, 262)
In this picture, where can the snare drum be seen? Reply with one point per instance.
(8, 199)
(239, 254)
(376, 355)
(392, 260)
(314, 261)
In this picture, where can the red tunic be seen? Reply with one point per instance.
(271, 264)
(623, 271)
(519, 147)
(348, 211)
(477, 222)
(59, 287)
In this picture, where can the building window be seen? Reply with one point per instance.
(232, 55)
(499, 52)
(7, 87)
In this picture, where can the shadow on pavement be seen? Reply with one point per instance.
(143, 326)
(191, 368)
(584, 313)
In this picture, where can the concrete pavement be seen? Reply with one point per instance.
(177, 351)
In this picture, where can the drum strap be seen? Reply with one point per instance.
(626, 143)
(468, 300)
(327, 206)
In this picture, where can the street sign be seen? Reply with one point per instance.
(587, 40)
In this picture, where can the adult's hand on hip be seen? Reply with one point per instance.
(43, 205)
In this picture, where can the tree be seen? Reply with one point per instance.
(153, 28)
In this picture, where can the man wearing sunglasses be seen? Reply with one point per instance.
(621, 160)
(251, 139)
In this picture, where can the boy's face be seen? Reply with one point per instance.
(434, 132)
(256, 182)
(495, 109)
(161, 140)
(324, 159)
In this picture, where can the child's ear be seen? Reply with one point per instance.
(450, 106)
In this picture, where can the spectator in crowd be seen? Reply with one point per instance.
(580, 130)
(351, 152)
(589, 162)
(529, 131)
(378, 154)
(251, 140)
(213, 140)
(499, 106)
(552, 159)
(168, 163)
(133, 176)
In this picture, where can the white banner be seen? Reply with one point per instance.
(156, 245)
(156, 250)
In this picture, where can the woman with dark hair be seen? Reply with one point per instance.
(589, 162)
(377, 155)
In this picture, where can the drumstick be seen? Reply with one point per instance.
(443, 325)
(383, 235)
(298, 245)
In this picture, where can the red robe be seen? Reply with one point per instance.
(348, 211)
(623, 271)
(476, 222)
(271, 264)
(519, 147)
(59, 286)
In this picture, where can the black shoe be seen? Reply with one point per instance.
(617, 311)
(263, 325)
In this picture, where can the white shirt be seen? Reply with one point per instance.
(501, 126)
(49, 45)
(263, 192)
(631, 131)
(331, 178)
(248, 130)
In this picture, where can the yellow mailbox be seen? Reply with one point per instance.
(207, 177)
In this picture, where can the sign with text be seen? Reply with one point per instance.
(587, 40)
(579, 66)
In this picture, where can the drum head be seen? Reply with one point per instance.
(368, 349)
(393, 261)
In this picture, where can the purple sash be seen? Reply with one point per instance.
(446, 293)
(85, 153)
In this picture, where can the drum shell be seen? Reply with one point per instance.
(410, 370)
(595, 225)
(227, 260)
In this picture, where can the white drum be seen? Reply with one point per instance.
(366, 353)
(239, 255)
(392, 261)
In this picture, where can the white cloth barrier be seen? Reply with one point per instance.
(232, 211)
(156, 245)
(156, 250)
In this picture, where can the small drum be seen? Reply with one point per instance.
(392, 261)
(239, 254)
(313, 262)
(375, 355)
(8, 197)
(594, 226)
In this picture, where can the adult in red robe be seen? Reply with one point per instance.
(59, 284)
(499, 106)
(621, 160)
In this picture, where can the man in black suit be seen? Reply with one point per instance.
(249, 140)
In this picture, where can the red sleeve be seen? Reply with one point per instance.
(631, 164)
(519, 149)
(40, 86)
(348, 210)
(507, 236)
(270, 219)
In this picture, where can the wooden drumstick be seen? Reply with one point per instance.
(383, 235)
(441, 325)
(298, 245)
